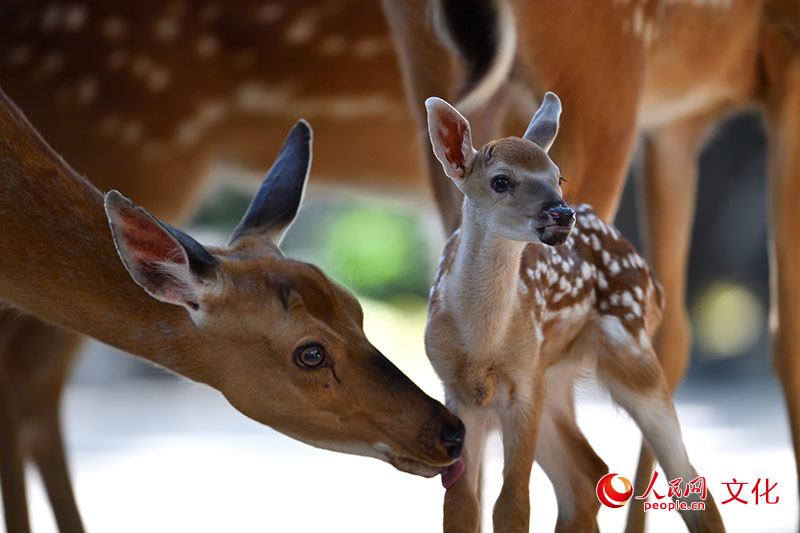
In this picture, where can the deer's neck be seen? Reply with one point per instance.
(58, 261)
(484, 281)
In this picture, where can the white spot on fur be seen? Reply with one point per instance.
(638, 20)
(75, 17)
(158, 79)
(370, 47)
(626, 298)
(280, 101)
(209, 114)
(166, 29)
(302, 29)
(586, 270)
(614, 331)
(523, 287)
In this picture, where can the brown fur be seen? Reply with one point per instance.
(662, 69)
(59, 263)
(514, 319)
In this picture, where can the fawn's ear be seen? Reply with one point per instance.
(450, 137)
(544, 125)
(275, 205)
(168, 264)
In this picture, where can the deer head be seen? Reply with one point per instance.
(283, 343)
(512, 182)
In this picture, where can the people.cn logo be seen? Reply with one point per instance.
(611, 497)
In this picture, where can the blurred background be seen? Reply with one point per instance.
(150, 451)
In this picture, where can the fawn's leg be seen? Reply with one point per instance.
(567, 458)
(519, 424)
(669, 186)
(781, 61)
(634, 378)
(462, 501)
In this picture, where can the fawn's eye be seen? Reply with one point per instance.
(309, 356)
(501, 184)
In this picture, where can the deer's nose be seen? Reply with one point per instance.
(563, 216)
(453, 438)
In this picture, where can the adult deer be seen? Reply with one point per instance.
(282, 342)
(526, 299)
(152, 97)
(667, 70)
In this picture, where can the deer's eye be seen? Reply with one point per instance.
(310, 356)
(501, 184)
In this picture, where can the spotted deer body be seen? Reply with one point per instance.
(596, 275)
(530, 294)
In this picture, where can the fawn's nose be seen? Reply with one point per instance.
(562, 215)
(453, 438)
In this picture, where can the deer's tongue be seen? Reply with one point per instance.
(453, 473)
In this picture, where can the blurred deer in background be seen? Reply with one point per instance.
(665, 70)
(200, 312)
(152, 97)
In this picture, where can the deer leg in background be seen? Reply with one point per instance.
(428, 70)
(39, 358)
(669, 187)
(12, 459)
(599, 125)
(781, 63)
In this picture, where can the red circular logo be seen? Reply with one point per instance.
(611, 497)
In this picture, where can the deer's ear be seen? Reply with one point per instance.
(450, 137)
(544, 125)
(275, 205)
(168, 264)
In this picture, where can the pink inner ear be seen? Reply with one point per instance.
(146, 240)
(453, 133)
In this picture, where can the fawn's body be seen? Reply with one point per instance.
(520, 308)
